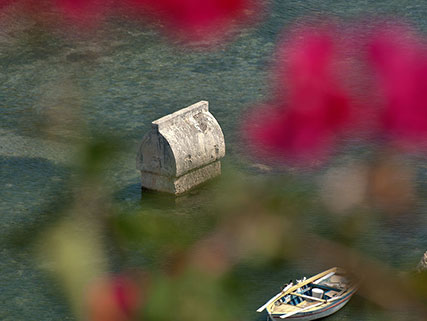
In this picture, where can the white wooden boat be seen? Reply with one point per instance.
(313, 298)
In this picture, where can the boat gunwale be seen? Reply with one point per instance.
(326, 305)
(321, 308)
(298, 285)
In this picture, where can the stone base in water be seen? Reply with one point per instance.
(422, 266)
(179, 185)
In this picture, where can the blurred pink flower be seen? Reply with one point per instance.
(86, 12)
(4, 3)
(113, 299)
(318, 108)
(189, 20)
(400, 60)
(196, 19)
(286, 135)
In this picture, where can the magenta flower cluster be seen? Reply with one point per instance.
(191, 20)
(327, 87)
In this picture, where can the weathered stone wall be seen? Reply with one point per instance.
(182, 150)
(422, 266)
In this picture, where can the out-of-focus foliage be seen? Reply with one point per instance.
(186, 271)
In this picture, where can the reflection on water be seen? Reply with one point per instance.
(117, 82)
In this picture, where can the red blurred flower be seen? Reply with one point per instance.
(317, 109)
(400, 60)
(198, 19)
(113, 299)
(190, 20)
(86, 12)
(4, 3)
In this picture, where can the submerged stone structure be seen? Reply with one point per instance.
(422, 266)
(181, 151)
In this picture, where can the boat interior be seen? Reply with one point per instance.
(311, 294)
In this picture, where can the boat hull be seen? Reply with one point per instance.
(314, 315)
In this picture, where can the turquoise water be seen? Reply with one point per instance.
(56, 90)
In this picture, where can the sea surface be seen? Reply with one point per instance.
(115, 82)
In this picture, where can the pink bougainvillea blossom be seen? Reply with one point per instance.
(4, 3)
(189, 20)
(86, 12)
(315, 88)
(279, 134)
(302, 125)
(400, 60)
(195, 19)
